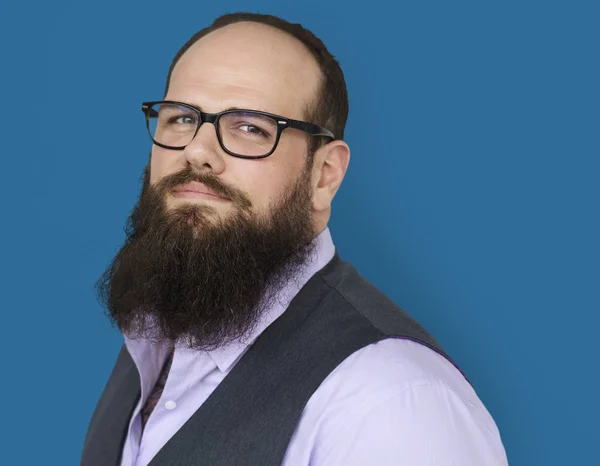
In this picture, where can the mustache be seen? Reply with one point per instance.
(211, 181)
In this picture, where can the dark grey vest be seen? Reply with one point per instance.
(252, 414)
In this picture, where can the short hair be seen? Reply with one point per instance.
(330, 106)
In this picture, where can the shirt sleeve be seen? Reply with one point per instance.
(424, 424)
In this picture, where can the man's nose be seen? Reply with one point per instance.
(204, 152)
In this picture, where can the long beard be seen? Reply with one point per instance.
(181, 273)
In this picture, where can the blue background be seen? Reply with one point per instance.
(471, 198)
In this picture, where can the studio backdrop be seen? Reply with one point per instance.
(471, 198)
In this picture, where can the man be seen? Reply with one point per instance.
(248, 341)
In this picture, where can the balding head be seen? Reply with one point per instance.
(331, 103)
(248, 65)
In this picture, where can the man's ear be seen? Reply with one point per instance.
(329, 168)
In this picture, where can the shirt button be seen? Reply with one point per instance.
(170, 405)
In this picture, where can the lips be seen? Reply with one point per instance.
(194, 189)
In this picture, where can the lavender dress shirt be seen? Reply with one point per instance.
(394, 402)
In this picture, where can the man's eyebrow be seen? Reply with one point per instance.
(234, 107)
(254, 109)
(187, 102)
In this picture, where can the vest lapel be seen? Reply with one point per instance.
(110, 421)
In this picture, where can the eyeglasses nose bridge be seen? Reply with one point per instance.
(207, 118)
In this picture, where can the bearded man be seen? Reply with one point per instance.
(248, 341)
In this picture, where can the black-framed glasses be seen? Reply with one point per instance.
(249, 134)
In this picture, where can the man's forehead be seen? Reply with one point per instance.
(248, 60)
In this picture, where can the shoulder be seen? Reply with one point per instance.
(388, 368)
(397, 397)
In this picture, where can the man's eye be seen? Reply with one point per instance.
(252, 130)
(183, 120)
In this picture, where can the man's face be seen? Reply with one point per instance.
(249, 66)
(205, 267)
